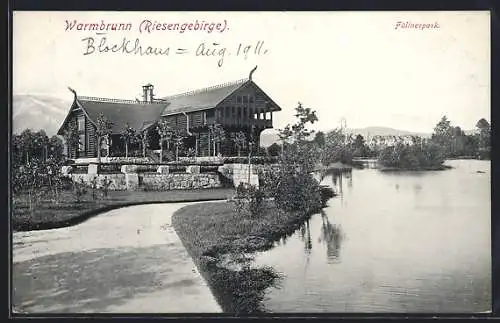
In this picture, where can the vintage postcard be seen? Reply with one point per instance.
(251, 162)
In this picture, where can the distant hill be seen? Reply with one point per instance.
(38, 112)
(271, 136)
(385, 131)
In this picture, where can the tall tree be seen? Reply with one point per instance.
(300, 152)
(56, 148)
(166, 134)
(359, 146)
(240, 140)
(71, 137)
(292, 186)
(103, 131)
(319, 139)
(218, 135)
(484, 133)
(129, 136)
(443, 134)
(144, 141)
(178, 139)
(41, 141)
(334, 147)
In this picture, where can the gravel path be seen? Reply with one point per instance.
(128, 260)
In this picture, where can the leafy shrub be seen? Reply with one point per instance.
(105, 184)
(405, 156)
(93, 186)
(79, 189)
(249, 199)
(293, 191)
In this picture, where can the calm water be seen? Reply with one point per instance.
(407, 242)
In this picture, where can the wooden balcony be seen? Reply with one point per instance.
(231, 122)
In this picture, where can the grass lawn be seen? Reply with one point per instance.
(66, 211)
(213, 231)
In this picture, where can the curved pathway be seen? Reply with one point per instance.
(127, 260)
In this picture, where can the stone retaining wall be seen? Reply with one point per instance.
(118, 181)
(238, 173)
(131, 178)
(152, 181)
(180, 181)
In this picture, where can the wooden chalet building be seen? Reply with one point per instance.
(236, 106)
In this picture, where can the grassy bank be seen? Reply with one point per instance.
(66, 211)
(213, 233)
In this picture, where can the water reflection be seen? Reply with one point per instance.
(348, 176)
(405, 242)
(305, 235)
(332, 236)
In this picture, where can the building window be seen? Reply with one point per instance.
(81, 123)
(251, 99)
(245, 99)
(233, 112)
(238, 99)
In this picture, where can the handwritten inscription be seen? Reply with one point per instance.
(102, 45)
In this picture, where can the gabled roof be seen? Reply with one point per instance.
(120, 112)
(201, 99)
(141, 115)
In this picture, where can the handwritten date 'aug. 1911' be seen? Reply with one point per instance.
(93, 46)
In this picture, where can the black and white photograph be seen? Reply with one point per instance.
(250, 163)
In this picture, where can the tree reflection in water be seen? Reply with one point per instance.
(305, 235)
(337, 181)
(332, 236)
(348, 175)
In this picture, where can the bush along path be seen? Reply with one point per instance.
(221, 237)
(221, 242)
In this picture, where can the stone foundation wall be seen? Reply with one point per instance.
(152, 181)
(238, 173)
(118, 181)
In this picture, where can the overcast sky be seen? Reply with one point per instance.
(355, 65)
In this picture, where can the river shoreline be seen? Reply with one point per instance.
(218, 234)
(392, 242)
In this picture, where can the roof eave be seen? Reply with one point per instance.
(187, 111)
